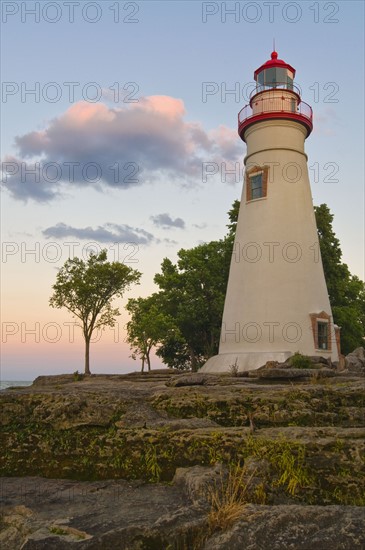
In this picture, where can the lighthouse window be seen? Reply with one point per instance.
(256, 182)
(322, 329)
(256, 186)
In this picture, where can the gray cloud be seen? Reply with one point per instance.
(96, 145)
(108, 233)
(170, 242)
(166, 222)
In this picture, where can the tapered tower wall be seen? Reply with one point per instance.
(276, 277)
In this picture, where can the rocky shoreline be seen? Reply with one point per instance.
(130, 461)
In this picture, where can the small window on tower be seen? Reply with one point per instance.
(256, 186)
(256, 183)
(322, 329)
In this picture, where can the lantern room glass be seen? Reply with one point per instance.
(275, 77)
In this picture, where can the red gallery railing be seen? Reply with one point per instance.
(275, 106)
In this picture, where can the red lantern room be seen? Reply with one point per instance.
(275, 97)
(274, 72)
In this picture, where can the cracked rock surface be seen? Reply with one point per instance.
(131, 461)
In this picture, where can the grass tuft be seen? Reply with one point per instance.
(228, 498)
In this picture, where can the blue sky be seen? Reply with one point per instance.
(163, 61)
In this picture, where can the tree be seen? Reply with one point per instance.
(87, 288)
(336, 273)
(346, 292)
(183, 320)
(233, 218)
(148, 326)
(192, 293)
(174, 350)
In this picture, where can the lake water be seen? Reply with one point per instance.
(9, 383)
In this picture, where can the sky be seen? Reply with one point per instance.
(114, 116)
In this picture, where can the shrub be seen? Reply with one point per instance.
(299, 361)
(233, 369)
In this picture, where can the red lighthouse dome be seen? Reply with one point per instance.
(275, 97)
(278, 66)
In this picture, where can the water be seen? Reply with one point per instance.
(4, 384)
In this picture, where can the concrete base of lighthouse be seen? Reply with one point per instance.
(245, 361)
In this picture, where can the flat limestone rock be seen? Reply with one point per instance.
(195, 379)
(134, 515)
(296, 528)
(290, 373)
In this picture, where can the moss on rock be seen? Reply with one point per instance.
(311, 435)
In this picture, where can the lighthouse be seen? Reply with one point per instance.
(276, 300)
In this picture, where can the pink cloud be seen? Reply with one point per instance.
(82, 113)
(167, 106)
(151, 135)
(226, 141)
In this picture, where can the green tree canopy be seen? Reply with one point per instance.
(233, 217)
(183, 319)
(87, 288)
(148, 326)
(192, 293)
(346, 292)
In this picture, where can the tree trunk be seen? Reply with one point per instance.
(148, 361)
(142, 370)
(194, 362)
(87, 356)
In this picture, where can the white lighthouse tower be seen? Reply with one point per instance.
(276, 300)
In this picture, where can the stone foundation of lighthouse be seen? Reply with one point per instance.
(276, 300)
